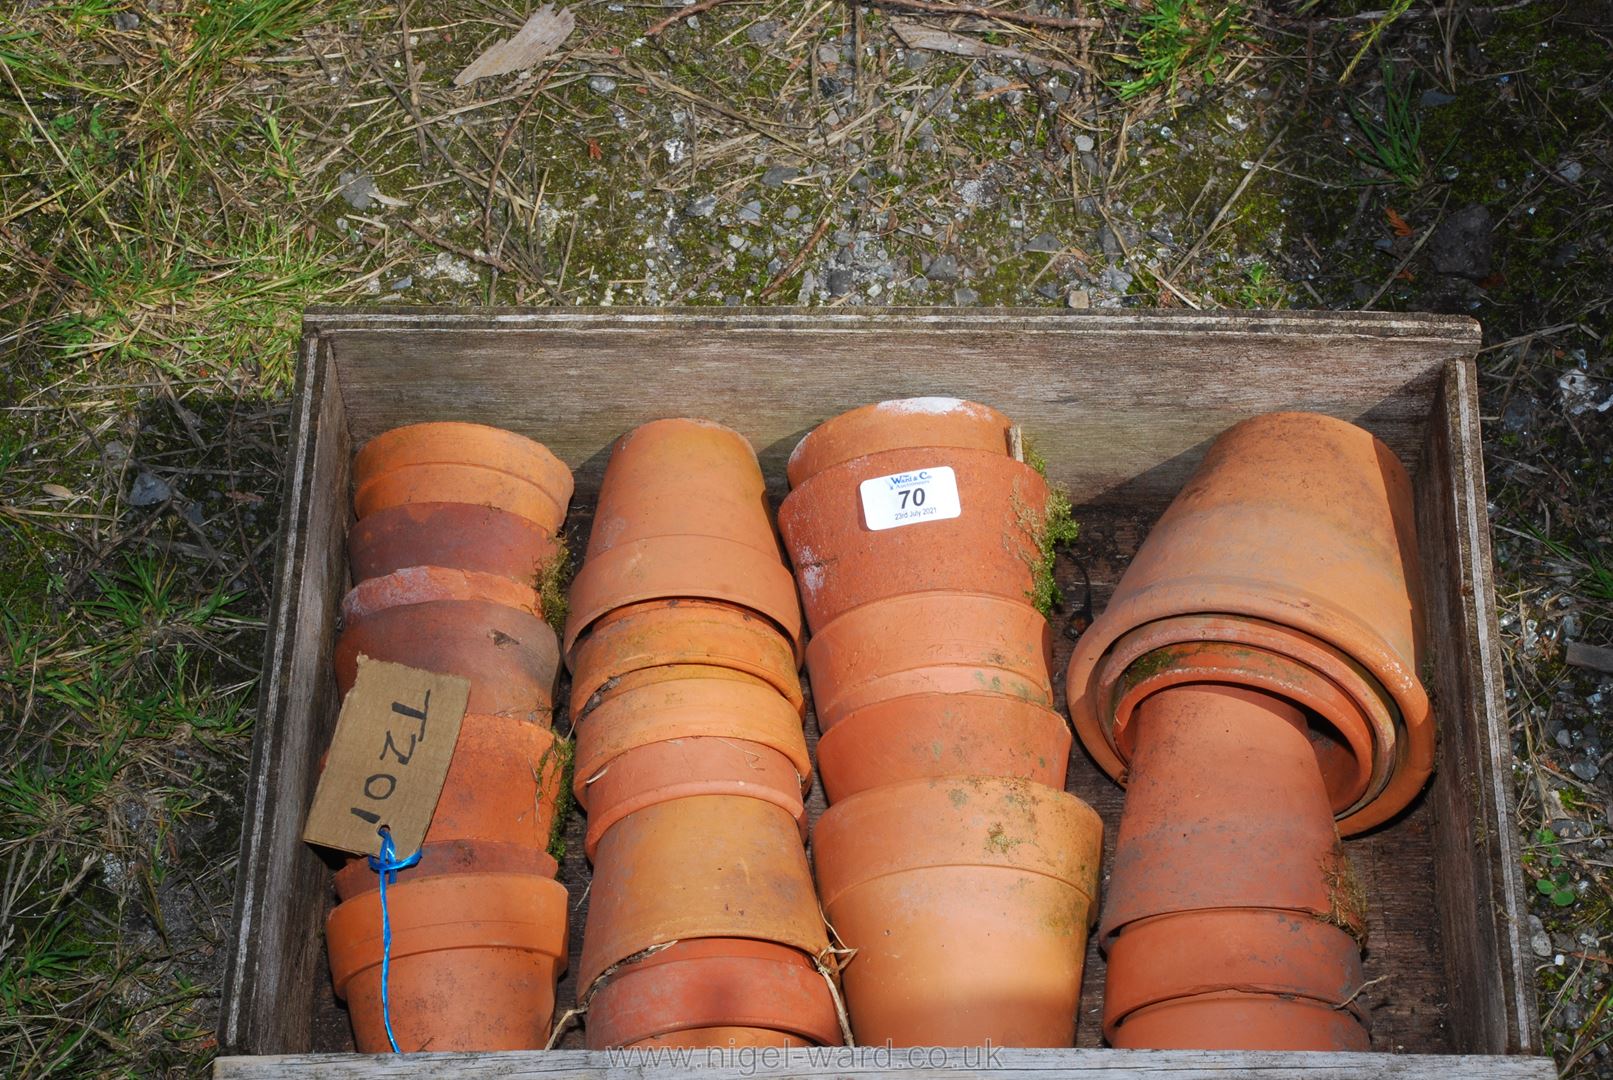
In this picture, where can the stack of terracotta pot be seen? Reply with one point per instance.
(951, 861)
(683, 641)
(1254, 678)
(455, 524)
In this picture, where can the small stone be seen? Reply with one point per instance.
(1585, 770)
(1433, 99)
(357, 189)
(402, 283)
(1461, 244)
(751, 212)
(759, 33)
(1540, 942)
(963, 296)
(1045, 242)
(736, 241)
(114, 452)
(149, 491)
(840, 281)
(942, 268)
(125, 20)
(1049, 289)
(792, 212)
(1570, 170)
(701, 206)
(1084, 143)
(602, 84)
(1078, 299)
(1564, 739)
(1115, 280)
(778, 175)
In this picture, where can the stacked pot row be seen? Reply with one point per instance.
(683, 643)
(1254, 678)
(456, 524)
(951, 863)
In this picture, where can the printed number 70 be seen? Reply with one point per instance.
(917, 495)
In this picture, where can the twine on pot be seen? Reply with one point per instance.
(387, 864)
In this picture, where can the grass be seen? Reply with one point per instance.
(1177, 42)
(1394, 143)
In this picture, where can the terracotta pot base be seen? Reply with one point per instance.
(725, 1038)
(425, 584)
(937, 423)
(714, 986)
(930, 735)
(474, 962)
(459, 536)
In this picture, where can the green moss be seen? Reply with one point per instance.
(1059, 529)
(554, 578)
(561, 759)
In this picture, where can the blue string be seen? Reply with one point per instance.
(387, 864)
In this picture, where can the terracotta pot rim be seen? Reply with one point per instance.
(542, 864)
(433, 534)
(791, 984)
(1256, 669)
(476, 485)
(537, 908)
(642, 716)
(425, 584)
(651, 633)
(655, 676)
(1323, 1010)
(1067, 851)
(820, 448)
(1329, 955)
(1231, 598)
(749, 579)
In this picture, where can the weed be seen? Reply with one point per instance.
(1261, 288)
(1394, 144)
(1058, 530)
(1175, 41)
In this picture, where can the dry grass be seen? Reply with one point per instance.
(172, 182)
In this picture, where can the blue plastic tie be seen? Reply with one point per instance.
(387, 865)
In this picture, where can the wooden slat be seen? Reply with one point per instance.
(1123, 405)
(836, 1062)
(271, 971)
(1479, 887)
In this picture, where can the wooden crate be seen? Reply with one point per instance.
(1122, 405)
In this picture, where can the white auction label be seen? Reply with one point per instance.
(907, 498)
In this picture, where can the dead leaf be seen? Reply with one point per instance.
(543, 34)
(56, 491)
(918, 35)
(1400, 225)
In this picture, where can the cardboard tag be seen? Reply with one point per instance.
(907, 498)
(388, 758)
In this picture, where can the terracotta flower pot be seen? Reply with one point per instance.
(683, 513)
(937, 642)
(703, 866)
(707, 989)
(934, 422)
(663, 633)
(1225, 881)
(1180, 964)
(929, 735)
(678, 768)
(449, 858)
(464, 463)
(657, 704)
(426, 584)
(990, 548)
(967, 900)
(1298, 521)
(503, 784)
(1253, 831)
(460, 536)
(473, 967)
(510, 657)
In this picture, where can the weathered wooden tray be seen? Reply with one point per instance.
(1121, 405)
